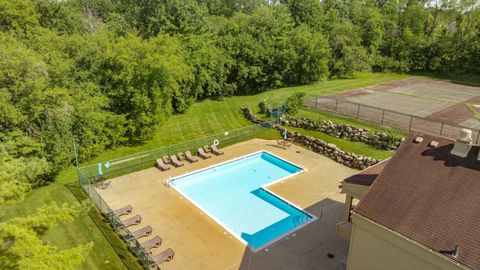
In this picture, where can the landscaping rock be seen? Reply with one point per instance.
(330, 150)
(380, 140)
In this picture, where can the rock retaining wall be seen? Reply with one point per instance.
(351, 160)
(332, 151)
(379, 140)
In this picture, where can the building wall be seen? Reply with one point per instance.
(375, 247)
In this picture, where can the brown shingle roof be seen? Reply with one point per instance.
(367, 176)
(430, 196)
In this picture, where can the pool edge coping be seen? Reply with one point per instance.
(264, 187)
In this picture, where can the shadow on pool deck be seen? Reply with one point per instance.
(306, 248)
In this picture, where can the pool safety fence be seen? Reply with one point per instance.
(386, 118)
(95, 175)
(121, 166)
(134, 246)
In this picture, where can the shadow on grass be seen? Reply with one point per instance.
(120, 248)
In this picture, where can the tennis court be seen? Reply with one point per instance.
(436, 100)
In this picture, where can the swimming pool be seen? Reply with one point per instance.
(233, 194)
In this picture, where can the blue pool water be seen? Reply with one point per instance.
(232, 194)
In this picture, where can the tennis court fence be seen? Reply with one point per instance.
(387, 118)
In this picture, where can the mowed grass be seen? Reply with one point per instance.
(202, 119)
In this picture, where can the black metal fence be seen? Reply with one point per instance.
(396, 120)
(133, 245)
(92, 176)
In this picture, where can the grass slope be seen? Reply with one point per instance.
(203, 118)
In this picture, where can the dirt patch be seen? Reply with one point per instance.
(376, 88)
(400, 83)
(455, 114)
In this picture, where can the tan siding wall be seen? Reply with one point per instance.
(374, 247)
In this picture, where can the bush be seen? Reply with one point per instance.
(389, 64)
(264, 107)
(294, 102)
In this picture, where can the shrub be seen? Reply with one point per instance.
(264, 107)
(294, 102)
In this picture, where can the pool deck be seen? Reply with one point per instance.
(200, 243)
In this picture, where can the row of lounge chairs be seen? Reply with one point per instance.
(161, 163)
(164, 256)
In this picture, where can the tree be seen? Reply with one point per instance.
(151, 17)
(18, 15)
(209, 65)
(294, 103)
(62, 16)
(141, 78)
(348, 54)
(21, 246)
(259, 45)
(311, 59)
(373, 29)
(309, 12)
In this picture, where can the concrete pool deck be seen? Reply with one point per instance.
(200, 243)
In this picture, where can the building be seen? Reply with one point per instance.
(418, 210)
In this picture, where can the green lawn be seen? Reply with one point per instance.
(203, 118)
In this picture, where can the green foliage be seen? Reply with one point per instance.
(21, 245)
(264, 107)
(309, 12)
(18, 15)
(172, 16)
(22, 248)
(294, 103)
(209, 67)
(259, 46)
(310, 63)
(349, 56)
(59, 15)
(140, 78)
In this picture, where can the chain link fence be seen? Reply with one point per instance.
(387, 118)
(92, 176)
(134, 246)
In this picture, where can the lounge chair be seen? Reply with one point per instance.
(152, 243)
(123, 211)
(166, 160)
(190, 158)
(202, 154)
(181, 156)
(164, 256)
(143, 232)
(161, 166)
(215, 150)
(132, 221)
(175, 161)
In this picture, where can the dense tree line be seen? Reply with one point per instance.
(106, 72)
